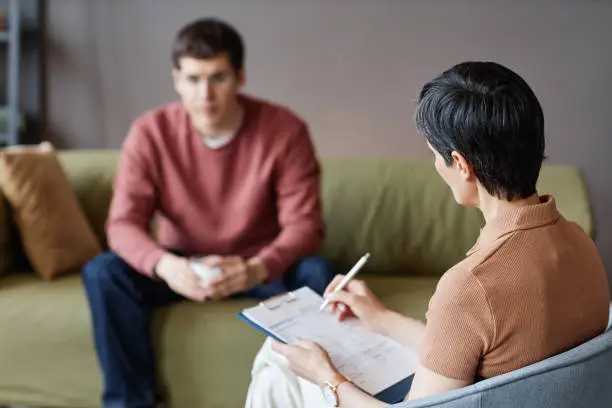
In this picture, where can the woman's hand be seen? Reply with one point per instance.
(356, 299)
(308, 360)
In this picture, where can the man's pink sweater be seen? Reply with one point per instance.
(259, 195)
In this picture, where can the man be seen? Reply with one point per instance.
(532, 286)
(233, 183)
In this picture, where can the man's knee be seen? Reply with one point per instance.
(103, 270)
(316, 272)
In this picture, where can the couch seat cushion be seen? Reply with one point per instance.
(48, 357)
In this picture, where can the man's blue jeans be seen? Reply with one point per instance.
(121, 301)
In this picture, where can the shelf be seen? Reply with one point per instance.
(5, 113)
(20, 29)
(5, 135)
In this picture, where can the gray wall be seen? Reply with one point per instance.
(352, 68)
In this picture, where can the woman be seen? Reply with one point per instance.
(532, 286)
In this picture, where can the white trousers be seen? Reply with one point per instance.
(274, 385)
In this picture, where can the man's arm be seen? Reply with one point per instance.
(133, 205)
(297, 186)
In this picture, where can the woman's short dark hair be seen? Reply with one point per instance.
(491, 116)
(206, 38)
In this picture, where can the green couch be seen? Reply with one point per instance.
(396, 209)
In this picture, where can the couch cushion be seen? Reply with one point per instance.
(205, 351)
(402, 212)
(91, 174)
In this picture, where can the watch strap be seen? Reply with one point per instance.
(338, 380)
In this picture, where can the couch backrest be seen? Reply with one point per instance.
(399, 210)
(577, 378)
(402, 212)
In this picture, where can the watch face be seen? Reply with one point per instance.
(330, 395)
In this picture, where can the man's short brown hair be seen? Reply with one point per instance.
(206, 38)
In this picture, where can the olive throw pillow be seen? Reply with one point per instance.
(55, 234)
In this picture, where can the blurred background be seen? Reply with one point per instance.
(351, 68)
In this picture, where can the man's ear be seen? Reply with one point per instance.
(241, 77)
(465, 169)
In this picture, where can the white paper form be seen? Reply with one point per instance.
(372, 361)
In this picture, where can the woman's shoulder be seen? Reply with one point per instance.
(460, 283)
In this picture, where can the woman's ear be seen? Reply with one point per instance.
(465, 169)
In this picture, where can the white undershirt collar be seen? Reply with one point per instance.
(226, 137)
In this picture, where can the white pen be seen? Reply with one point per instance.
(347, 278)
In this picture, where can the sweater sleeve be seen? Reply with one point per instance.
(460, 327)
(297, 188)
(134, 204)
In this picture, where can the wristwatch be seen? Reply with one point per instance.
(330, 389)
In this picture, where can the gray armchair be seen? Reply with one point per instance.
(578, 378)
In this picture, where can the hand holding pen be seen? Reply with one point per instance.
(351, 297)
(344, 280)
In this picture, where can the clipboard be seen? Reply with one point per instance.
(282, 316)
(270, 304)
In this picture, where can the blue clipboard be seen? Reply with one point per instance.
(242, 317)
(392, 395)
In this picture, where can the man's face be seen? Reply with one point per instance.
(209, 89)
